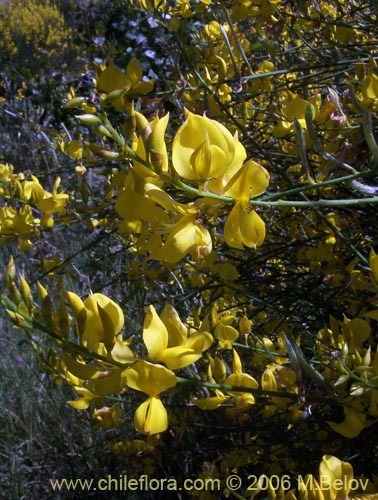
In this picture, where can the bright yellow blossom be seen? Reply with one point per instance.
(151, 416)
(167, 339)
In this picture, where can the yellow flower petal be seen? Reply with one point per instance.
(151, 417)
(244, 227)
(187, 236)
(369, 88)
(157, 146)
(112, 79)
(134, 71)
(94, 331)
(80, 369)
(177, 331)
(373, 262)
(336, 477)
(159, 196)
(353, 424)
(108, 384)
(155, 334)
(241, 380)
(121, 351)
(249, 181)
(149, 378)
(180, 356)
(200, 341)
(226, 334)
(211, 403)
(202, 149)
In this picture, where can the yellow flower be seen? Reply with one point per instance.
(32, 190)
(244, 227)
(149, 378)
(167, 339)
(87, 398)
(186, 236)
(249, 181)
(119, 87)
(151, 4)
(369, 92)
(226, 334)
(336, 477)
(240, 379)
(204, 150)
(18, 222)
(99, 319)
(373, 262)
(294, 109)
(151, 416)
(100, 381)
(211, 403)
(53, 202)
(74, 149)
(153, 139)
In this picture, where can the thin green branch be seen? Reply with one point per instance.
(232, 388)
(317, 185)
(316, 203)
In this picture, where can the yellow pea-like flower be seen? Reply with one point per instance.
(151, 416)
(169, 342)
(186, 236)
(204, 150)
(244, 227)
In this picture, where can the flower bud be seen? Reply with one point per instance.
(108, 155)
(10, 272)
(74, 103)
(88, 119)
(345, 349)
(367, 358)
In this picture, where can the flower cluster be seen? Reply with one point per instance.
(18, 220)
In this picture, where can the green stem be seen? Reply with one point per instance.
(115, 135)
(317, 185)
(316, 203)
(233, 388)
(359, 379)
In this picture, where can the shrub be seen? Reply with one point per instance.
(247, 235)
(32, 33)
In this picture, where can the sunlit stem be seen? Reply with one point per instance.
(118, 138)
(232, 388)
(318, 185)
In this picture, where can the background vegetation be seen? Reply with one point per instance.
(297, 82)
